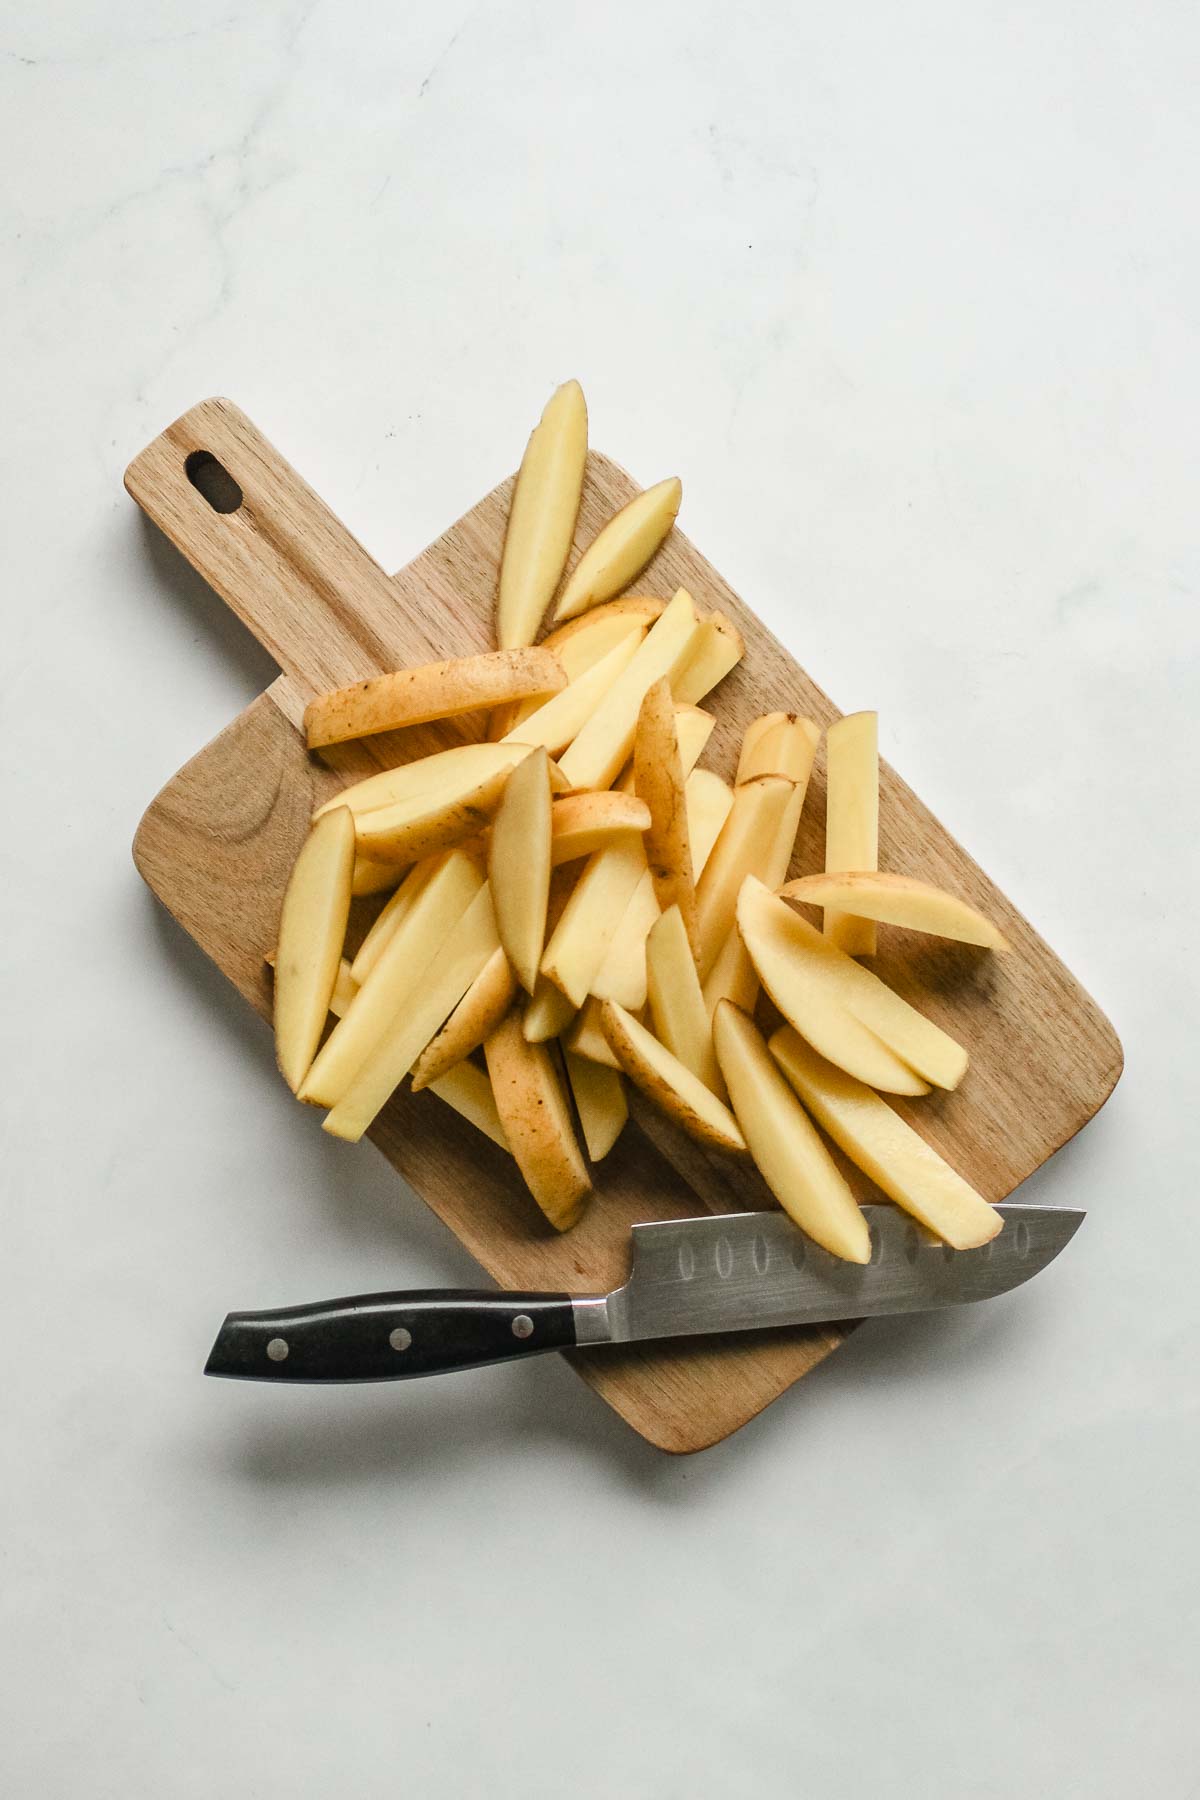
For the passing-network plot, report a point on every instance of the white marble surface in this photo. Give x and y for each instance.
(909, 297)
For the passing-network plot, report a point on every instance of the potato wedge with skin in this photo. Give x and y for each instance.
(880, 1143)
(468, 1090)
(454, 771)
(440, 690)
(621, 549)
(785, 1144)
(583, 823)
(598, 753)
(899, 900)
(852, 819)
(676, 1003)
(411, 887)
(580, 644)
(719, 647)
(844, 1011)
(622, 974)
(473, 1021)
(753, 735)
(747, 840)
(709, 801)
(659, 781)
(536, 1120)
(416, 828)
(600, 1102)
(585, 1036)
(389, 988)
(580, 940)
(560, 720)
(465, 950)
(312, 930)
(519, 866)
(786, 746)
(542, 515)
(665, 1081)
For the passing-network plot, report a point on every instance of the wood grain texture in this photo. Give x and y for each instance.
(217, 844)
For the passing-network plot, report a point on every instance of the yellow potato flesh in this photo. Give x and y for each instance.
(676, 1003)
(746, 841)
(667, 1082)
(473, 1020)
(600, 1102)
(899, 900)
(560, 720)
(852, 819)
(718, 649)
(312, 930)
(622, 974)
(536, 1119)
(468, 1090)
(621, 549)
(590, 919)
(541, 519)
(519, 865)
(596, 756)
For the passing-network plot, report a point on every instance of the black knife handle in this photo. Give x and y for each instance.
(390, 1337)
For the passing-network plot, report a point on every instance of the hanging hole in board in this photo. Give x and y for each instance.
(213, 480)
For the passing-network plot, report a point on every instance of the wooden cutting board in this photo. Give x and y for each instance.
(217, 844)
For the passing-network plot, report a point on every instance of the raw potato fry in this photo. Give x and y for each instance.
(693, 728)
(473, 1021)
(411, 888)
(731, 977)
(519, 866)
(784, 1142)
(718, 649)
(440, 987)
(879, 1142)
(597, 755)
(667, 1083)
(541, 519)
(622, 974)
(415, 828)
(454, 770)
(753, 735)
(583, 823)
(468, 1090)
(438, 690)
(537, 1122)
(746, 842)
(709, 800)
(591, 917)
(844, 1011)
(372, 877)
(586, 1036)
(394, 979)
(583, 642)
(600, 1102)
(659, 779)
(344, 990)
(312, 929)
(899, 900)
(562, 718)
(622, 549)
(676, 1003)
(548, 1014)
(852, 819)
(779, 744)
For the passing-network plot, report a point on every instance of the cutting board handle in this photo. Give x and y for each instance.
(270, 547)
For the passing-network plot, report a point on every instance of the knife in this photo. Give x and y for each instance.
(734, 1272)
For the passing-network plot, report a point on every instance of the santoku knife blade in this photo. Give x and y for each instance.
(736, 1272)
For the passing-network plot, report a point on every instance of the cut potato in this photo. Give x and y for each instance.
(548, 1014)
(746, 842)
(389, 989)
(344, 990)
(417, 827)
(667, 1082)
(659, 780)
(372, 877)
(312, 930)
(782, 744)
(441, 985)
(541, 518)
(585, 1037)
(468, 1090)
(844, 1011)
(879, 1142)
(561, 719)
(709, 800)
(583, 823)
(595, 627)
(600, 1102)
(473, 1021)
(455, 771)
(621, 549)
(412, 886)
(519, 865)
(622, 974)
(755, 731)
(852, 819)
(676, 1003)
(785, 1144)
(899, 900)
(536, 1119)
(597, 755)
(693, 728)
(590, 919)
(440, 690)
(718, 648)
(732, 977)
